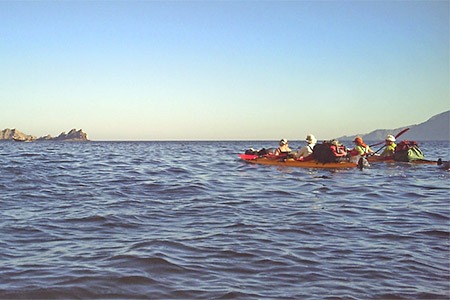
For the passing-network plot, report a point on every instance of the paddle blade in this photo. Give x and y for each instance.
(398, 134)
(401, 132)
(376, 144)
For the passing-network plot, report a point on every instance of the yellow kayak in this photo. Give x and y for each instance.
(294, 163)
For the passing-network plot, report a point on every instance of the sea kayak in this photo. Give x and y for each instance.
(277, 161)
(375, 159)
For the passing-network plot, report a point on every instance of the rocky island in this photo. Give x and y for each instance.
(15, 135)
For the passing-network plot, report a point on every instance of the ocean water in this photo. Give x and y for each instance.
(189, 220)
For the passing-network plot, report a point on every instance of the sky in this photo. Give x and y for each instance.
(221, 70)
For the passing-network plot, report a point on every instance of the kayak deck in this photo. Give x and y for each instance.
(373, 159)
(276, 161)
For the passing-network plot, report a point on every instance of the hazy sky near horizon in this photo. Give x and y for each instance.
(214, 70)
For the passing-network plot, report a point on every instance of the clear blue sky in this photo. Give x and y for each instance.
(213, 70)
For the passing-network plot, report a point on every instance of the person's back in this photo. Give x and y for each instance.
(308, 149)
(284, 147)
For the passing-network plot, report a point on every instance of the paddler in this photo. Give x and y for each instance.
(308, 149)
(284, 147)
(390, 146)
(360, 147)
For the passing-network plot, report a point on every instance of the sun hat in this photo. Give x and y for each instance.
(311, 139)
(283, 142)
(390, 138)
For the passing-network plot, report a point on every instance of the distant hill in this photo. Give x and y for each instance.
(436, 128)
(14, 134)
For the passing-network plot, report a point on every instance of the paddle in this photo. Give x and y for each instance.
(398, 134)
(378, 150)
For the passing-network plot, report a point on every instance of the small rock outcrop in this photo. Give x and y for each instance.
(71, 136)
(14, 134)
(45, 138)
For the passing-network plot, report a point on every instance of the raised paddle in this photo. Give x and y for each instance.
(398, 134)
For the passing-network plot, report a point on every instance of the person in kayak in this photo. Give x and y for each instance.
(390, 146)
(284, 147)
(308, 149)
(360, 148)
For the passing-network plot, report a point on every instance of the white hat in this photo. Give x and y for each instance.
(311, 139)
(390, 138)
(283, 142)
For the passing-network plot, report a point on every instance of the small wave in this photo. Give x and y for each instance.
(391, 236)
(237, 225)
(433, 233)
(88, 219)
(151, 263)
(162, 244)
(29, 154)
(27, 229)
(270, 263)
(235, 254)
(411, 195)
(177, 170)
(185, 189)
(134, 280)
(280, 193)
(120, 223)
(436, 215)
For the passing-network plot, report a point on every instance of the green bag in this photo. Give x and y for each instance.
(407, 151)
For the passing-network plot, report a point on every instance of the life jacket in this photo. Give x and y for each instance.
(329, 151)
(407, 151)
(358, 149)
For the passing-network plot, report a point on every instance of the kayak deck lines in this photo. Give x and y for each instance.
(375, 159)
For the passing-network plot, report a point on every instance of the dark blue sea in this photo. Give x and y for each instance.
(189, 220)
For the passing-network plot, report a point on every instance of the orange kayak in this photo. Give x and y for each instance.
(277, 161)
